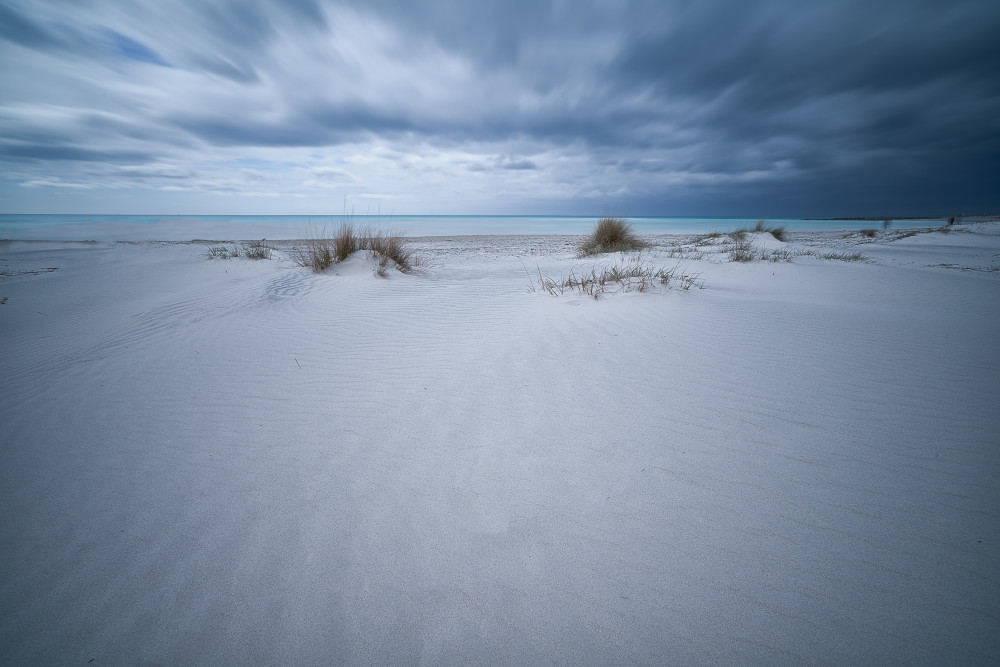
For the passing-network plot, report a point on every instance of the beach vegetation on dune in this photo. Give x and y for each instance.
(685, 252)
(221, 252)
(778, 232)
(628, 275)
(385, 248)
(705, 238)
(256, 250)
(251, 250)
(779, 255)
(611, 234)
(345, 242)
(743, 249)
(844, 256)
(315, 253)
(321, 252)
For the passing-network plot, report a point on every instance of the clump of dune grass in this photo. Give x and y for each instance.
(345, 242)
(316, 253)
(743, 249)
(777, 232)
(386, 247)
(611, 234)
(251, 250)
(221, 252)
(323, 251)
(256, 250)
(869, 233)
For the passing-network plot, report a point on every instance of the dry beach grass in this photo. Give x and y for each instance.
(322, 251)
(611, 234)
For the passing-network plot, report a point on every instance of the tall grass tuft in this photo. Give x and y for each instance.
(345, 242)
(612, 234)
(777, 232)
(322, 252)
(386, 247)
(316, 253)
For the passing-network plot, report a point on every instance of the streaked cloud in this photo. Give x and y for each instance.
(661, 107)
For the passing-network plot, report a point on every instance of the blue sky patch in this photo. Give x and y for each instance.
(133, 50)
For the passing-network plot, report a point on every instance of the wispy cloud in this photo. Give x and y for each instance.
(714, 107)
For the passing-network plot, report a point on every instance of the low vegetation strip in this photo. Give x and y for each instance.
(844, 256)
(251, 250)
(629, 275)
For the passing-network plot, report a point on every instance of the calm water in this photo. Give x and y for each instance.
(242, 227)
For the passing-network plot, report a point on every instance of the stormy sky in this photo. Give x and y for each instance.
(773, 107)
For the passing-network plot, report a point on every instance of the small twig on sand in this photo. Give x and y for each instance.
(297, 363)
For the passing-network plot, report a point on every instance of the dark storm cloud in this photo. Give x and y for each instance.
(42, 35)
(903, 74)
(725, 105)
(64, 152)
(223, 131)
(17, 28)
(314, 127)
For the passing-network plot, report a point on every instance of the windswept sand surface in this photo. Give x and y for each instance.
(238, 462)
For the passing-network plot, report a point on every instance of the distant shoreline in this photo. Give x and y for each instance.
(977, 217)
(146, 228)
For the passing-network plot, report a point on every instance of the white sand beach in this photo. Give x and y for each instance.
(226, 461)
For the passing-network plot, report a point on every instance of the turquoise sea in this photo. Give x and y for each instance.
(244, 227)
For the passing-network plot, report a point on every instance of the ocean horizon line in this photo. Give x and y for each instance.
(186, 227)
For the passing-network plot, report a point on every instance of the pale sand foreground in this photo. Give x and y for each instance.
(226, 461)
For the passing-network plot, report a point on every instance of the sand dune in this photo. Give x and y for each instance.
(228, 461)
